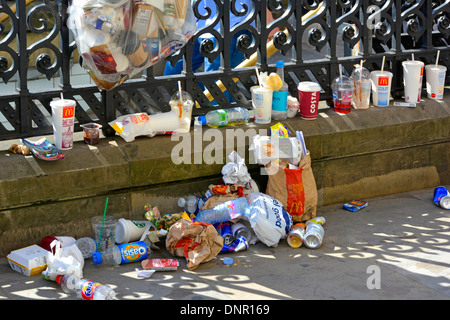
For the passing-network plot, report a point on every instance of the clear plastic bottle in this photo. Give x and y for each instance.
(87, 246)
(225, 117)
(191, 204)
(122, 253)
(224, 211)
(85, 289)
(313, 235)
(279, 98)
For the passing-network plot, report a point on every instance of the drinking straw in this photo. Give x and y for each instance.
(62, 97)
(382, 65)
(257, 77)
(360, 80)
(103, 223)
(412, 54)
(340, 72)
(181, 93)
(437, 58)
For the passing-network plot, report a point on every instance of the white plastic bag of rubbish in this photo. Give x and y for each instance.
(268, 218)
(68, 260)
(236, 170)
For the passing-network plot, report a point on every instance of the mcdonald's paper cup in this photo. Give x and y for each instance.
(308, 98)
(63, 113)
(381, 88)
(262, 104)
(412, 80)
(435, 75)
(130, 230)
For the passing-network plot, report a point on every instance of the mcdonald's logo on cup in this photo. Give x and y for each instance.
(68, 112)
(383, 81)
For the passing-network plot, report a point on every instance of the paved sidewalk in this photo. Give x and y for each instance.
(403, 239)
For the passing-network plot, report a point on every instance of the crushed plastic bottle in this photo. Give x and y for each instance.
(225, 117)
(296, 235)
(85, 289)
(225, 211)
(191, 204)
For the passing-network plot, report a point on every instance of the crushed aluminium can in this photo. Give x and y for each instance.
(442, 197)
(224, 230)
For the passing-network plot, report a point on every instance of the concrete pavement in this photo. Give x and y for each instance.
(396, 248)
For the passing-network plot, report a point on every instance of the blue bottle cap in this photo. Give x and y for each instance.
(202, 120)
(228, 261)
(280, 64)
(97, 257)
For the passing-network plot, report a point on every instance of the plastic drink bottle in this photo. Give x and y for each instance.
(224, 211)
(225, 117)
(313, 235)
(122, 253)
(191, 204)
(295, 236)
(85, 289)
(87, 246)
(279, 98)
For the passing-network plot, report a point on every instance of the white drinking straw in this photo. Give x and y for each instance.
(437, 58)
(382, 65)
(257, 77)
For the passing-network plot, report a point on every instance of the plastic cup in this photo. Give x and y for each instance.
(91, 133)
(262, 104)
(435, 81)
(381, 87)
(412, 80)
(342, 94)
(183, 109)
(362, 88)
(107, 241)
(130, 230)
(63, 112)
(308, 98)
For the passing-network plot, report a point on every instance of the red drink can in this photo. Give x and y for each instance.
(308, 97)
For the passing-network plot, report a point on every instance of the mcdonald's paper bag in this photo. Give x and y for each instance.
(295, 188)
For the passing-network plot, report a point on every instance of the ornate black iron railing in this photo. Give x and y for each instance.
(312, 37)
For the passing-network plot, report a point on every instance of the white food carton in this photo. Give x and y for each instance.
(28, 261)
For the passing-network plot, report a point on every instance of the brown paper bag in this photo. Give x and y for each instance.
(196, 241)
(295, 188)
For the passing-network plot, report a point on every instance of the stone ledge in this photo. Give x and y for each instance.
(363, 154)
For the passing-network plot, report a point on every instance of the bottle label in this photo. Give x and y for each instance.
(279, 100)
(88, 289)
(133, 252)
(222, 117)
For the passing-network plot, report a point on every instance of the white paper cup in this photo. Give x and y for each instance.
(412, 80)
(308, 98)
(164, 122)
(130, 230)
(63, 113)
(381, 87)
(435, 75)
(262, 104)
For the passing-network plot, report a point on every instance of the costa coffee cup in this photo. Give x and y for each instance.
(308, 96)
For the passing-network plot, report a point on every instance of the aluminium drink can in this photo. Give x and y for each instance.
(442, 197)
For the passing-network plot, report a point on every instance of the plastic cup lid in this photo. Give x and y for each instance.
(308, 86)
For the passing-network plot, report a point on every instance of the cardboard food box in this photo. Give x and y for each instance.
(160, 264)
(29, 261)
